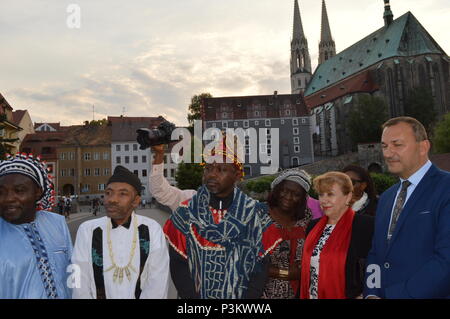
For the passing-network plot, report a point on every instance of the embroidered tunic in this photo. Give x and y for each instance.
(154, 279)
(223, 249)
(34, 258)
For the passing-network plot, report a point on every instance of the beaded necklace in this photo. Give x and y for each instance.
(119, 271)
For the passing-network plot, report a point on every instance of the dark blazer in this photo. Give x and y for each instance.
(360, 242)
(415, 263)
(370, 209)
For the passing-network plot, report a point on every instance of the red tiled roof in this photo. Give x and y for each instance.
(124, 127)
(87, 135)
(361, 82)
(5, 103)
(17, 116)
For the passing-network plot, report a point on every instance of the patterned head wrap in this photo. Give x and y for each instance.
(34, 168)
(297, 176)
(225, 150)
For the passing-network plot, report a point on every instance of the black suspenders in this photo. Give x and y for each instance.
(97, 259)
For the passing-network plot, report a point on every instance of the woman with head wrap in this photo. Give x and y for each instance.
(35, 245)
(291, 210)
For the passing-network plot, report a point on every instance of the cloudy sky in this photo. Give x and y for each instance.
(148, 57)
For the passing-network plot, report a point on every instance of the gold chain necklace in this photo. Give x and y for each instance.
(119, 271)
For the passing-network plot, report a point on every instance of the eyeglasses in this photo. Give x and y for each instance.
(355, 181)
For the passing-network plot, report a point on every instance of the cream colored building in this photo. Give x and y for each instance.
(84, 161)
(8, 130)
(22, 119)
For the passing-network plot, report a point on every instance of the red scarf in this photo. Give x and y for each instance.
(332, 258)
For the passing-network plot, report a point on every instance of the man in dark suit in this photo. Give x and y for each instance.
(410, 255)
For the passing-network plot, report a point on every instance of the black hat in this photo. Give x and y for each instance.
(123, 175)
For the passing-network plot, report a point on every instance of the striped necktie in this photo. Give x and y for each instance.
(398, 207)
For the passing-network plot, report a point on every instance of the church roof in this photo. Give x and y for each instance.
(404, 37)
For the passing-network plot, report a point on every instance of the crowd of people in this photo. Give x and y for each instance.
(219, 243)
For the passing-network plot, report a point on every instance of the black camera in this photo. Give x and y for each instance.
(150, 137)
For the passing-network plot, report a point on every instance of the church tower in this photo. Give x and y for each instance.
(327, 47)
(300, 59)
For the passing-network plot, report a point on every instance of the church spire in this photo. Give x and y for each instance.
(300, 59)
(325, 32)
(327, 47)
(388, 15)
(298, 27)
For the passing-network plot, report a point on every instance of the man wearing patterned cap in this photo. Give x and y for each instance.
(35, 245)
(123, 255)
(217, 235)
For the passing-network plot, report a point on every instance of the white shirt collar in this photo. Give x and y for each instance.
(360, 202)
(419, 174)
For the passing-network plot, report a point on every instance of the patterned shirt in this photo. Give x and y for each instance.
(315, 261)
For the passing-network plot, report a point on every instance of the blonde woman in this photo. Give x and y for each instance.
(337, 244)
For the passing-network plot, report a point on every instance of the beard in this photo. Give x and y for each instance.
(115, 212)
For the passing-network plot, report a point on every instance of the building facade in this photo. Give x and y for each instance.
(45, 144)
(84, 161)
(125, 150)
(287, 113)
(9, 131)
(23, 119)
(390, 64)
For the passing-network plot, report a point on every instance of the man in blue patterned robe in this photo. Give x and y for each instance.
(35, 245)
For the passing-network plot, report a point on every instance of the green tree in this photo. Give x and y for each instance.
(441, 136)
(366, 118)
(383, 181)
(420, 105)
(189, 175)
(96, 122)
(195, 108)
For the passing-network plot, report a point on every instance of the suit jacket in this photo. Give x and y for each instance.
(360, 242)
(415, 263)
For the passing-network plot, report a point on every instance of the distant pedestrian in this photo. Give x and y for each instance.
(67, 207)
(60, 206)
(95, 206)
